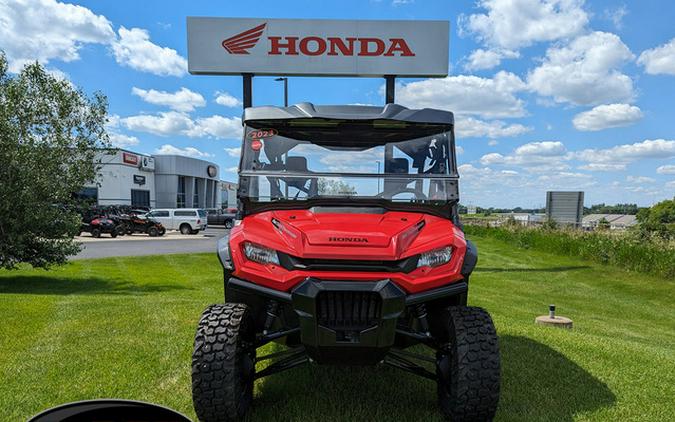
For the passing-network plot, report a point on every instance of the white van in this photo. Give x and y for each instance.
(187, 220)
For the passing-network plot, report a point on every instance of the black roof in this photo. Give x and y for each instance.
(349, 112)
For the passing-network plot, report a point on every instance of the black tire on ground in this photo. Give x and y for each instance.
(113, 234)
(162, 231)
(194, 231)
(153, 232)
(223, 363)
(95, 232)
(185, 228)
(468, 386)
(229, 224)
(121, 230)
(130, 232)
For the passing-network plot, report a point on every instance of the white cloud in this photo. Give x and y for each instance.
(535, 157)
(640, 179)
(607, 116)
(493, 142)
(401, 2)
(627, 153)
(659, 60)
(181, 100)
(468, 127)
(603, 167)
(135, 50)
(545, 149)
(670, 185)
(217, 127)
(616, 15)
(512, 24)
(585, 71)
(162, 124)
(667, 169)
(173, 123)
(486, 97)
(459, 150)
(227, 100)
(193, 152)
(233, 152)
(45, 30)
(487, 59)
(123, 141)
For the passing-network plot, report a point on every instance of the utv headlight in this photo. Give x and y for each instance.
(260, 254)
(435, 258)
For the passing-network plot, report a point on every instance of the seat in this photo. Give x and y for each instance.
(299, 165)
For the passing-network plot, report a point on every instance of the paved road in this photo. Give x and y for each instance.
(137, 245)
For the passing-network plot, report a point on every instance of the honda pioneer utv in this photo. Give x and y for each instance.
(348, 250)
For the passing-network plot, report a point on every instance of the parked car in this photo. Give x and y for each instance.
(222, 217)
(99, 225)
(187, 220)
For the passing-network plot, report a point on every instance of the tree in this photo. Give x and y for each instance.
(659, 219)
(330, 187)
(49, 135)
(603, 224)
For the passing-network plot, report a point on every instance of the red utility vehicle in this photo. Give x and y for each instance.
(348, 250)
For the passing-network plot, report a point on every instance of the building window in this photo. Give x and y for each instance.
(87, 196)
(140, 198)
(180, 197)
(195, 196)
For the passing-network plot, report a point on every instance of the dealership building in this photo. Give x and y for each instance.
(156, 181)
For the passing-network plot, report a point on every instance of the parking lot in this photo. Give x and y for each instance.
(142, 244)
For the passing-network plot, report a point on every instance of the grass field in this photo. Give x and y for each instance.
(123, 328)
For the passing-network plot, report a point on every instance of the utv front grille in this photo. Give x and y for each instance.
(347, 311)
(291, 263)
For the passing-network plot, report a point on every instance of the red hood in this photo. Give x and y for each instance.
(386, 236)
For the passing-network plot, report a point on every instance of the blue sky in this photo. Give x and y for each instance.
(548, 94)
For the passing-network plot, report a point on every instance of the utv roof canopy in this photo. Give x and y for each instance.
(390, 112)
(349, 126)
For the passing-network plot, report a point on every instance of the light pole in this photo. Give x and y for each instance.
(285, 89)
(378, 175)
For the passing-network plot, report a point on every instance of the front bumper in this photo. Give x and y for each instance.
(342, 322)
(348, 322)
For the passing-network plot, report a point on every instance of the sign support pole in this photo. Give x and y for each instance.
(248, 89)
(390, 88)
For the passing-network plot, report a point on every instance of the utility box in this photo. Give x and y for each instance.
(565, 207)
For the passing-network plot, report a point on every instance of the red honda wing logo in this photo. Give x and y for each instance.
(242, 42)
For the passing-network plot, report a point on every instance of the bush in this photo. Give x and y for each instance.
(628, 250)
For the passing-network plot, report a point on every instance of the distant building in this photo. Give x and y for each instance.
(471, 209)
(616, 221)
(154, 181)
(565, 207)
(228, 194)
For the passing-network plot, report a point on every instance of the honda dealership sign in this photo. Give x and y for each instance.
(227, 46)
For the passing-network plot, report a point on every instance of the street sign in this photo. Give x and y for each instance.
(233, 46)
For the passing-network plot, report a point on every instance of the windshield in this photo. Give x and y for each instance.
(413, 163)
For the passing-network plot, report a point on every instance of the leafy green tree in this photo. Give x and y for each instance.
(331, 187)
(49, 134)
(659, 219)
(603, 224)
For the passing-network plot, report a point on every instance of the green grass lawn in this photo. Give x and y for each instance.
(123, 328)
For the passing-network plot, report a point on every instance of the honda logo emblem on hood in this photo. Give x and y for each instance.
(348, 239)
